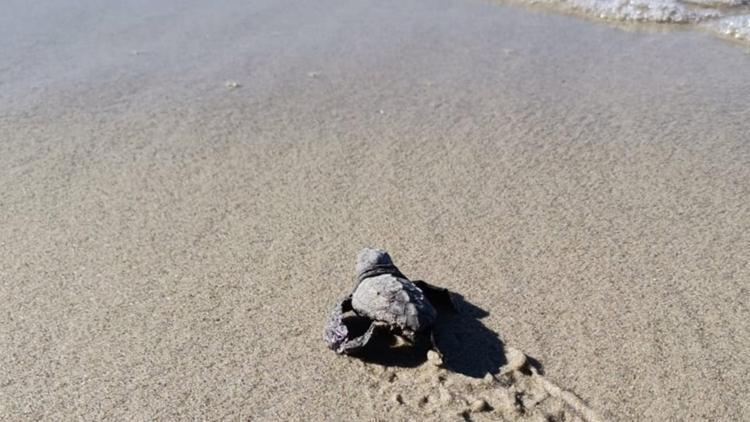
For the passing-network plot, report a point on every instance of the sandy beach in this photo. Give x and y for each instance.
(185, 187)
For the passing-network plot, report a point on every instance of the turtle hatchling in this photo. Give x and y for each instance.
(384, 299)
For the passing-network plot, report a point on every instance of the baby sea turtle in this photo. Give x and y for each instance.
(384, 298)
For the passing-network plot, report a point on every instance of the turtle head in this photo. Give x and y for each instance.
(372, 262)
(369, 258)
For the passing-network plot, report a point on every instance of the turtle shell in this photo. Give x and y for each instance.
(395, 301)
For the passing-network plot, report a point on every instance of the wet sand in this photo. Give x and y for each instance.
(170, 246)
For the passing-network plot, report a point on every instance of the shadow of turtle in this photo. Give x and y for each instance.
(467, 345)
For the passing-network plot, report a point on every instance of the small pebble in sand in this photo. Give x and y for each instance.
(313, 75)
(397, 399)
(434, 358)
(479, 405)
(516, 359)
(488, 379)
(231, 85)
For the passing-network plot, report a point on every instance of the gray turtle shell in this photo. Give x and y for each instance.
(395, 301)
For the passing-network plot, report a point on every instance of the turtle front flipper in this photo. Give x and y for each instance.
(346, 332)
(442, 300)
(439, 297)
(354, 344)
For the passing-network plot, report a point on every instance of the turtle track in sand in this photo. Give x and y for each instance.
(517, 392)
(478, 378)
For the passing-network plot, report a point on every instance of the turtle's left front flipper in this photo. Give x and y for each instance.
(346, 332)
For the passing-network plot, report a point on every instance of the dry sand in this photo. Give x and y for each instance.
(170, 247)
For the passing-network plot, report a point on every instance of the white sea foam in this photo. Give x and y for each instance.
(736, 27)
(635, 10)
(727, 18)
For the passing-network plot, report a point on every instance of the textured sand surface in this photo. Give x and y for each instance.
(170, 247)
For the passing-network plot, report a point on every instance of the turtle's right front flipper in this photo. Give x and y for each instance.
(439, 297)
